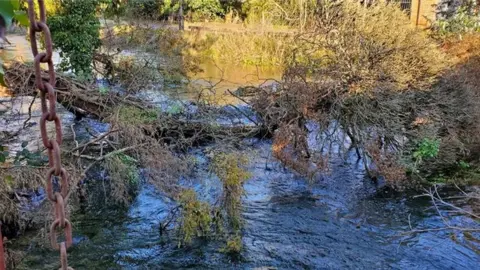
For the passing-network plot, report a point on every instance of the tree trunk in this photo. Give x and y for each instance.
(181, 23)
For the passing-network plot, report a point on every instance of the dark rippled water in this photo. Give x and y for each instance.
(340, 222)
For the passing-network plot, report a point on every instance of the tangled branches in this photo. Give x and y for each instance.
(449, 207)
(361, 73)
(138, 130)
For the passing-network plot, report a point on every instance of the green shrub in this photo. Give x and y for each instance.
(233, 246)
(143, 9)
(204, 9)
(75, 33)
(230, 168)
(195, 217)
(124, 177)
(427, 148)
(136, 116)
(460, 23)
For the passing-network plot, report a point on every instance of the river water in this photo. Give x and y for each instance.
(340, 221)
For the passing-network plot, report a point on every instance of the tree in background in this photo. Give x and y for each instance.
(146, 9)
(259, 11)
(113, 8)
(284, 12)
(195, 9)
(181, 23)
(75, 32)
(169, 8)
(233, 10)
(205, 9)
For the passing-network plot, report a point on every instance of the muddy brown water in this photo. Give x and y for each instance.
(340, 221)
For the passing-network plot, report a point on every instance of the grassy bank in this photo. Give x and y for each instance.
(246, 48)
(245, 45)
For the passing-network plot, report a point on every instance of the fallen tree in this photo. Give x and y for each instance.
(86, 100)
(140, 133)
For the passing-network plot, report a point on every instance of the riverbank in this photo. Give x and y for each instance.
(287, 218)
(332, 166)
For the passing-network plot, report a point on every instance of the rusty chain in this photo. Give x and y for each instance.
(49, 114)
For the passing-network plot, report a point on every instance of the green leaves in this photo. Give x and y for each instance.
(9, 181)
(75, 32)
(35, 158)
(205, 9)
(22, 18)
(2, 75)
(464, 165)
(3, 154)
(10, 9)
(15, 4)
(7, 10)
(462, 21)
(103, 89)
(175, 108)
(427, 148)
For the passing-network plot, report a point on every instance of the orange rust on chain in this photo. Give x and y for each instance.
(63, 184)
(67, 230)
(43, 129)
(56, 157)
(60, 209)
(52, 97)
(49, 114)
(63, 257)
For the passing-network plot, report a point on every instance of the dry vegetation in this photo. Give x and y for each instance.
(246, 48)
(14, 192)
(230, 168)
(374, 83)
(158, 50)
(370, 82)
(141, 137)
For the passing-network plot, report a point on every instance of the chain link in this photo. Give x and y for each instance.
(49, 114)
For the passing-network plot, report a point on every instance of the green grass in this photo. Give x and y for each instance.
(248, 48)
(136, 116)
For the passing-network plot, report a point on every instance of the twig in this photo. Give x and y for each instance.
(98, 159)
(74, 135)
(244, 114)
(116, 152)
(94, 140)
(237, 96)
(453, 228)
(171, 215)
(30, 111)
(438, 200)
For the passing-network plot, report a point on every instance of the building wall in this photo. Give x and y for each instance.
(422, 12)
